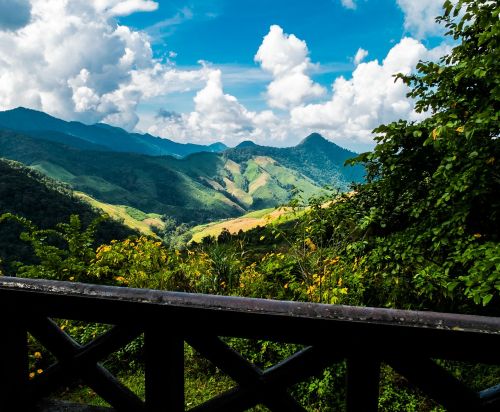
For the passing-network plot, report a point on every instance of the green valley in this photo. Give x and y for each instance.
(199, 188)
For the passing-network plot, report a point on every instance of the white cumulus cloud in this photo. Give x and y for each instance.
(73, 60)
(218, 116)
(124, 7)
(360, 56)
(420, 16)
(368, 99)
(286, 58)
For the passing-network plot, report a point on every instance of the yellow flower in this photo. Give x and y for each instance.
(310, 244)
(477, 235)
(38, 355)
(39, 371)
(121, 279)
(335, 260)
(32, 375)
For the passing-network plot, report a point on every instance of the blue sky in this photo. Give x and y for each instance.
(219, 70)
(229, 33)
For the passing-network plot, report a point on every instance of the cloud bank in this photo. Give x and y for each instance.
(74, 61)
(124, 7)
(419, 15)
(348, 115)
(369, 98)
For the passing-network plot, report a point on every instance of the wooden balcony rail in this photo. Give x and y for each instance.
(408, 341)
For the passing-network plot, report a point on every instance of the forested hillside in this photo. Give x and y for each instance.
(31, 195)
(315, 157)
(198, 188)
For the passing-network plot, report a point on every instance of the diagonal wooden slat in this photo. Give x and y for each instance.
(246, 374)
(437, 383)
(62, 346)
(241, 399)
(268, 387)
(67, 369)
(305, 363)
(238, 399)
(225, 358)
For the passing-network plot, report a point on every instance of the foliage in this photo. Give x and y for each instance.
(45, 202)
(428, 218)
(63, 253)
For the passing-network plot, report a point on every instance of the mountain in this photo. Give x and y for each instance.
(198, 188)
(121, 169)
(245, 144)
(95, 137)
(315, 157)
(32, 195)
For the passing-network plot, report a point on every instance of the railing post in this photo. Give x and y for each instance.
(363, 376)
(164, 371)
(13, 365)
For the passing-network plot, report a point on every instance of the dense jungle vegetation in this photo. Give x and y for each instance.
(422, 233)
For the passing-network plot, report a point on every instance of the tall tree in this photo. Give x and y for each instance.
(431, 205)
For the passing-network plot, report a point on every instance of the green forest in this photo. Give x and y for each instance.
(422, 232)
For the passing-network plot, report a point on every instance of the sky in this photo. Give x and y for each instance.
(203, 71)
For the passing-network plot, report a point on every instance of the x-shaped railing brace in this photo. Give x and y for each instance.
(268, 387)
(255, 386)
(81, 361)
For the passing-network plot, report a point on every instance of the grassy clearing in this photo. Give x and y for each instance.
(133, 218)
(246, 222)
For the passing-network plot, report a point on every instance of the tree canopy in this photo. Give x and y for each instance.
(431, 203)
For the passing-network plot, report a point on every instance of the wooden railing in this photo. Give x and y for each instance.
(408, 341)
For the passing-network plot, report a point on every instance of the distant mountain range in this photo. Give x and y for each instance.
(115, 167)
(315, 157)
(100, 136)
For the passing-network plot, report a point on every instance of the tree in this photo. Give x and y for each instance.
(428, 217)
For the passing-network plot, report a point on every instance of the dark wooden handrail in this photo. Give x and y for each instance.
(406, 340)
